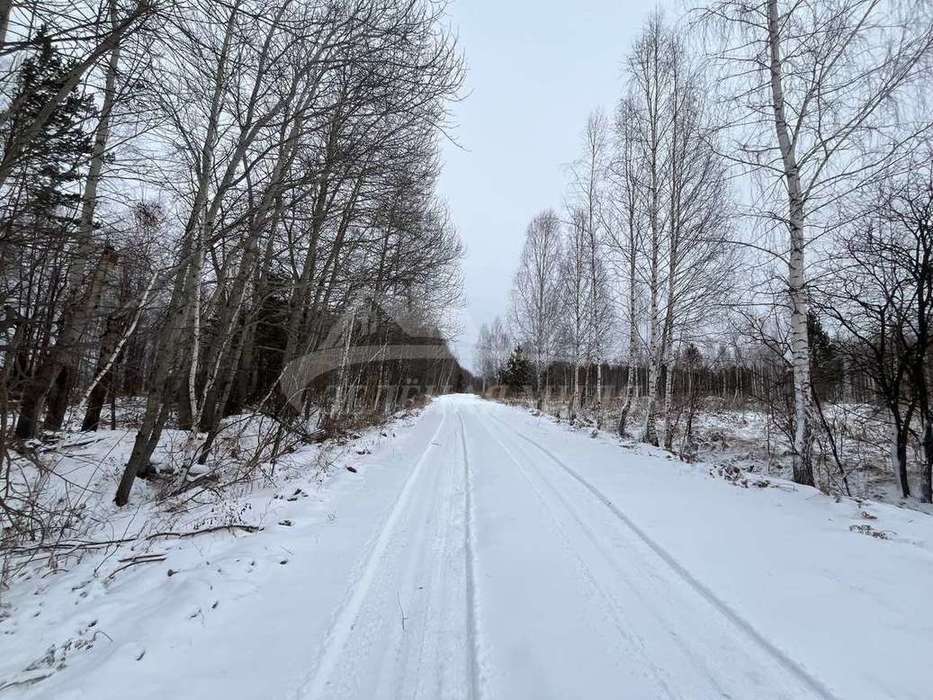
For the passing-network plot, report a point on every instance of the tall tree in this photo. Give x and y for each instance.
(536, 308)
(811, 84)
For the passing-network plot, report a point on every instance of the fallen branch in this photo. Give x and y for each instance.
(80, 545)
(133, 561)
(192, 533)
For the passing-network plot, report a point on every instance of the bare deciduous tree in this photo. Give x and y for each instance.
(813, 85)
(536, 307)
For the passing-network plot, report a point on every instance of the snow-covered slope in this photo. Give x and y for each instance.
(488, 553)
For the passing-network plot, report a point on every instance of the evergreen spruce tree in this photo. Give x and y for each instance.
(50, 164)
(518, 374)
(46, 192)
(825, 364)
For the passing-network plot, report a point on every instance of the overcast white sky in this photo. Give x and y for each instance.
(536, 70)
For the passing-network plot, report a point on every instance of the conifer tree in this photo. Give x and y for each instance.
(518, 373)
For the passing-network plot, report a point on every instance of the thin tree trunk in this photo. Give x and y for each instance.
(899, 437)
(650, 433)
(803, 438)
(669, 402)
(926, 468)
(115, 327)
(797, 279)
(164, 379)
(631, 386)
(6, 9)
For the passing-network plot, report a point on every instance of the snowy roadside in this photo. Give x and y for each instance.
(747, 439)
(144, 581)
(839, 584)
(856, 463)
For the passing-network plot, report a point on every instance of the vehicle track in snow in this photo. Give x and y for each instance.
(427, 616)
(474, 680)
(812, 684)
(614, 610)
(371, 577)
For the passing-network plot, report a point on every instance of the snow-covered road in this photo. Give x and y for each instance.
(489, 553)
(503, 571)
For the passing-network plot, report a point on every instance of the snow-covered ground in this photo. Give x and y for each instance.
(747, 439)
(480, 551)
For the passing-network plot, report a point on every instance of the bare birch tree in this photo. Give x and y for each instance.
(812, 85)
(536, 310)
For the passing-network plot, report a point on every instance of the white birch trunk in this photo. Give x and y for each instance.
(797, 280)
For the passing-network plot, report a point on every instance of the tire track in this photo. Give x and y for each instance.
(699, 663)
(315, 686)
(613, 608)
(415, 649)
(705, 592)
(474, 686)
